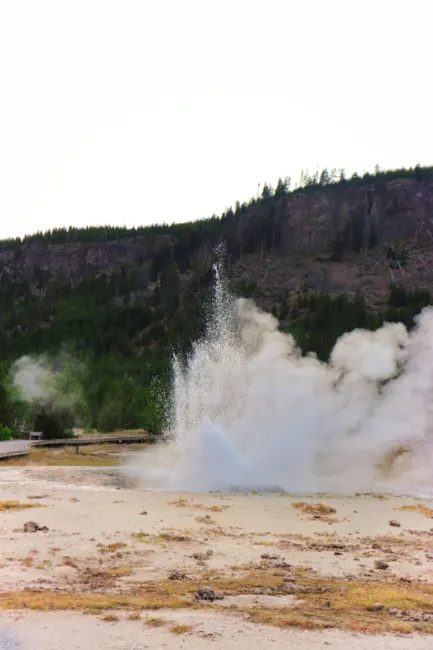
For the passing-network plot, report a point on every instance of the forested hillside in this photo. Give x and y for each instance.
(331, 255)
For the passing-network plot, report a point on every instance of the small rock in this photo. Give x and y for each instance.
(338, 553)
(33, 527)
(202, 556)
(394, 523)
(375, 546)
(206, 593)
(376, 607)
(267, 556)
(380, 564)
(429, 555)
(281, 565)
(177, 575)
(143, 513)
(394, 611)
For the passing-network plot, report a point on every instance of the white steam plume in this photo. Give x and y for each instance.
(33, 380)
(249, 410)
(48, 382)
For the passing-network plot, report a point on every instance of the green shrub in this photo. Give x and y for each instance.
(5, 433)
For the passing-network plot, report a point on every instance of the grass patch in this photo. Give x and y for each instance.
(348, 608)
(144, 538)
(18, 505)
(181, 628)
(207, 519)
(155, 622)
(245, 584)
(110, 618)
(181, 502)
(348, 600)
(119, 572)
(317, 511)
(162, 538)
(323, 601)
(314, 509)
(172, 537)
(111, 548)
(217, 508)
(45, 564)
(184, 503)
(214, 531)
(64, 600)
(418, 507)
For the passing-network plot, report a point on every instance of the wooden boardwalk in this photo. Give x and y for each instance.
(12, 448)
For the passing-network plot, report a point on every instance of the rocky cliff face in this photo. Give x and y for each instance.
(71, 261)
(386, 212)
(332, 239)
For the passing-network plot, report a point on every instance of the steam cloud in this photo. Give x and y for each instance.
(48, 383)
(248, 410)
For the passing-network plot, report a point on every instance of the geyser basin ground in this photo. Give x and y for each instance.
(110, 551)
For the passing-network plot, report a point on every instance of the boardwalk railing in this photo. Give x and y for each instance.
(79, 442)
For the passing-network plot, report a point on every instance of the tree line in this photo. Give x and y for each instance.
(195, 233)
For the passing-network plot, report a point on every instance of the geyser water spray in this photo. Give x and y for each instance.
(248, 410)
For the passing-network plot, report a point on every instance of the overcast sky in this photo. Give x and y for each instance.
(136, 112)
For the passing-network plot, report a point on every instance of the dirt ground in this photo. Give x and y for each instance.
(109, 566)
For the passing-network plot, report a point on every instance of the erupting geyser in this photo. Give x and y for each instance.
(248, 410)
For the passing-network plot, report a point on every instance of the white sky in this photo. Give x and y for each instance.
(136, 112)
